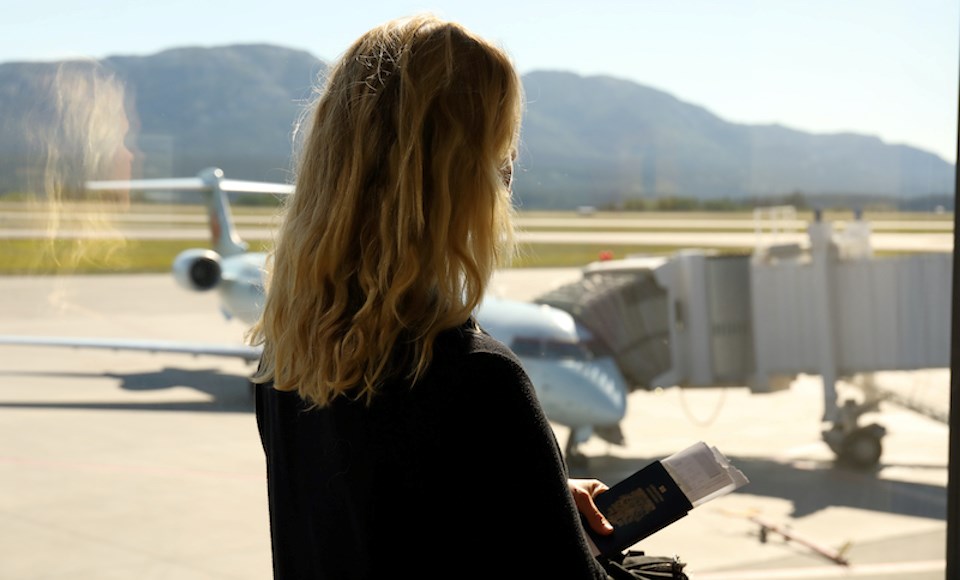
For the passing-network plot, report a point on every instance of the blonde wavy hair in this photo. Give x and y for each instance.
(401, 213)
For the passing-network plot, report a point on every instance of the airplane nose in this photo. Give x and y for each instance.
(610, 394)
(586, 393)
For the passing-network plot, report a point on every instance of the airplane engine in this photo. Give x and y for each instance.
(197, 269)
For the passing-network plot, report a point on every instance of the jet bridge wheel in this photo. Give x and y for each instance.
(862, 447)
(856, 446)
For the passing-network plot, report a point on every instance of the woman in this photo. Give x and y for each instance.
(398, 435)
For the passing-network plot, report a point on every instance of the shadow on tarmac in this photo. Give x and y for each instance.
(228, 393)
(809, 486)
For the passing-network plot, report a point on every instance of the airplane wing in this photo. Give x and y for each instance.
(247, 353)
(200, 184)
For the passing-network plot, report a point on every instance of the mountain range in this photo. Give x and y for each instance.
(586, 140)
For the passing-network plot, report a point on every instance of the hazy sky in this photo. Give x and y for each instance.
(888, 68)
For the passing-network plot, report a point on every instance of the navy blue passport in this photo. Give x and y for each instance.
(640, 505)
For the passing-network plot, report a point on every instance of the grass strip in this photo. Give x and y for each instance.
(66, 257)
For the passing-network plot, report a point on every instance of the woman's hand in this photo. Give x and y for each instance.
(583, 492)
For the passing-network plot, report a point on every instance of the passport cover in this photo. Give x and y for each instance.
(644, 503)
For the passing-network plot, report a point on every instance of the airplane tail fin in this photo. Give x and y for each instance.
(223, 233)
(224, 237)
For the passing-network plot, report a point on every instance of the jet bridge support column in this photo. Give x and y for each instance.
(860, 446)
(823, 259)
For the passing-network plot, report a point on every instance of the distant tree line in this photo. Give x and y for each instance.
(798, 199)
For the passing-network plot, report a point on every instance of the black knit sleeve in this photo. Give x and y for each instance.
(511, 478)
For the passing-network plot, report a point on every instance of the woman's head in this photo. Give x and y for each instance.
(401, 211)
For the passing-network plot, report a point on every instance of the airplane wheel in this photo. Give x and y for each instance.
(862, 447)
(577, 461)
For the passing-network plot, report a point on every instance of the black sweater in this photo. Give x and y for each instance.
(458, 476)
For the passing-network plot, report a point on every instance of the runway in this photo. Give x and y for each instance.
(133, 465)
(910, 233)
(907, 242)
(18, 215)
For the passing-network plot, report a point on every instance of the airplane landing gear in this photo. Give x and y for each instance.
(575, 458)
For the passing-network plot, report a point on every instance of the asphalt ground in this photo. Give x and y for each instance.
(135, 465)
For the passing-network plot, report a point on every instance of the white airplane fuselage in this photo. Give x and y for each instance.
(576, 387)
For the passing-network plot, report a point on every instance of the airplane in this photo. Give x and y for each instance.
(578, 385)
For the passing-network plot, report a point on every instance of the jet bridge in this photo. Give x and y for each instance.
(701, 319)
(627, 312)
(683, 321)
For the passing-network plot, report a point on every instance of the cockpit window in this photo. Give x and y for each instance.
(526, 346)
(568, 350)
(554, 349)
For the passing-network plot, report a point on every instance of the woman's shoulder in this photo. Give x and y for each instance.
(471, 343)
(469, 360)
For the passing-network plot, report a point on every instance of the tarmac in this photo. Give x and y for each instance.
(137, 465)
